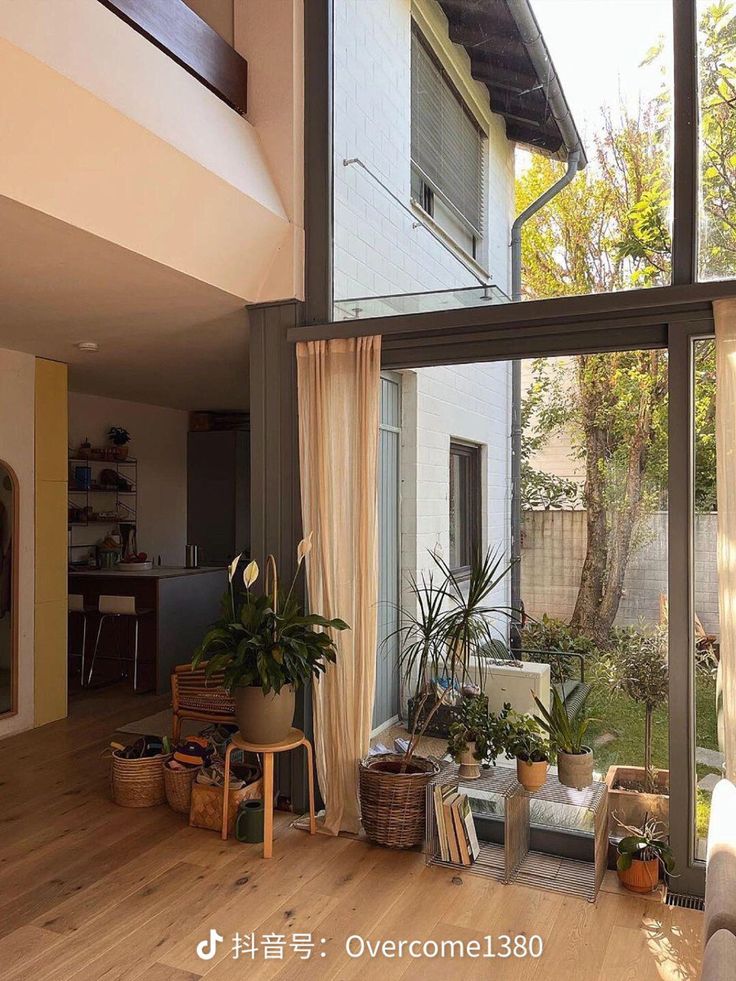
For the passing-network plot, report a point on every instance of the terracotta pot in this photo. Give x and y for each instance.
(632, 807)
(641, 876)
(575, 769)
(469, 766)
(264, 719)
(531, 776)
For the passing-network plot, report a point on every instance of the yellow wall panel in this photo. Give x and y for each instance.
(52, 428)
(51, 441)
(50, 691)
(51, 540)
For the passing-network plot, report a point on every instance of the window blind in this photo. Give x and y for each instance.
(446, 143)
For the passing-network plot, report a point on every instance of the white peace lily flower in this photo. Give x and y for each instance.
(304, 547)
(250, 573)
(234, 566)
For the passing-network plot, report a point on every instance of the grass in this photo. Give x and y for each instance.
(620, 716)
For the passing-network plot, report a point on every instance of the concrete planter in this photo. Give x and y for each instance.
(575, 769)
(631, 807)
(531, 776)
(264, 719)
(469, 766)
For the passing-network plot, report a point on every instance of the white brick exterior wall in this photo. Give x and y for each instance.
(380, 248)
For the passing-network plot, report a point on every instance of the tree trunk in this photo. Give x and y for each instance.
(610, 533)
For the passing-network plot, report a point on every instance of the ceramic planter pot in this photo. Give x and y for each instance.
(264, 719)
(575, 769)
(531, 776)
(642, 876)
(469, 766)
(632, 807)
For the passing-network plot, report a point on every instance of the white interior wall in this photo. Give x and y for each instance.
(159, 443)
(17, 410)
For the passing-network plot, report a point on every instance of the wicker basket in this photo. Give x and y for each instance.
(206, 806)
(178, 786)
(392, 803)
(138, 783)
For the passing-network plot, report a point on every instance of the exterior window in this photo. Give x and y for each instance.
(447, 151)
(465, 500)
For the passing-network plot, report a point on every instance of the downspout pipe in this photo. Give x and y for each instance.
(573, 165)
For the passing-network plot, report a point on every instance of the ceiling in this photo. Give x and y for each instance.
(164, 338)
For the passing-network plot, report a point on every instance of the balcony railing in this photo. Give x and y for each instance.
(174, 28)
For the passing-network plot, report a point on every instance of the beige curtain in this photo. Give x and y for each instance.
(725, 318)
(339, 393)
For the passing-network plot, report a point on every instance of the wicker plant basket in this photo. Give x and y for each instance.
(178, 786)
(206, 806)
(138, 783)
(393, 803)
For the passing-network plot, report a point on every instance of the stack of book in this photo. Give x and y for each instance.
(455, 826)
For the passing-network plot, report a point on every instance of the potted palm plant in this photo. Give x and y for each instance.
(266, 647)
(642, 853)
(477, 736)
(526, 742)
(567, 735)
(443, 634)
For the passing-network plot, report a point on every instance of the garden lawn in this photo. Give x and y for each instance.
(619, 716)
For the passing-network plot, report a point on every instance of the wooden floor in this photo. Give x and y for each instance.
(89, 890)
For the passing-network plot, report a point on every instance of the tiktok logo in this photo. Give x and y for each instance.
(206, 949)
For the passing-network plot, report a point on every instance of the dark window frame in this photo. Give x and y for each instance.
(472, 501)
(659, 316)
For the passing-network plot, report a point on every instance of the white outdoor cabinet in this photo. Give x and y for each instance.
(515, 682)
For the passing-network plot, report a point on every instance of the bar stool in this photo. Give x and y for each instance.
(77, 607)
(115, 607)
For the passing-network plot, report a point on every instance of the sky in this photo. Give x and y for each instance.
(597, 47)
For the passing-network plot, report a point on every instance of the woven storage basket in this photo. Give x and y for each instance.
(392, 804)
(206, 807)
(178, 786)
(138, 783)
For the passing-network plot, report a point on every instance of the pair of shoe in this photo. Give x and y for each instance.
(142, 748)
(241, 774)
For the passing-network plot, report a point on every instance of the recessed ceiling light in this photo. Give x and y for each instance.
(89, 347)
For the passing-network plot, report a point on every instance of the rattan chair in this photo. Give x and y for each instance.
(195, 696)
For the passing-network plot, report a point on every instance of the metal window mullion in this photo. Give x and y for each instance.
(686, 149)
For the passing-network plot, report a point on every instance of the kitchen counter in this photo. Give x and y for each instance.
(157, 572)
(181, 605)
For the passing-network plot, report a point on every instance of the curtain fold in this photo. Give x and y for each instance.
(339, 404)
(725, 321)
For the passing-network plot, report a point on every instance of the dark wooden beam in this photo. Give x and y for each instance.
(174, 28)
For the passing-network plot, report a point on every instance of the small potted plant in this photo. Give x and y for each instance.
(525, 741)
(476, 736)
(638, 668)
(267, 647)
(642, 853)
(119, 438)
(567, 735)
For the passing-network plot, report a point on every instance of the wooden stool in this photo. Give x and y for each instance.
(295, 739)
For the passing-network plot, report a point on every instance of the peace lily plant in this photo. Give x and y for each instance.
(264, 647)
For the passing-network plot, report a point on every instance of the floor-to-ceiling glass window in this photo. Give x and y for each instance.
(450, 120)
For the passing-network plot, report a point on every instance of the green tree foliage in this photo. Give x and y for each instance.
(609, 230)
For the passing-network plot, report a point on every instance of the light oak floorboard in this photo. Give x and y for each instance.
(90, 891)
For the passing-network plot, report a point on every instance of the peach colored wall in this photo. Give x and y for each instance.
(270, 36)
(151, 159)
